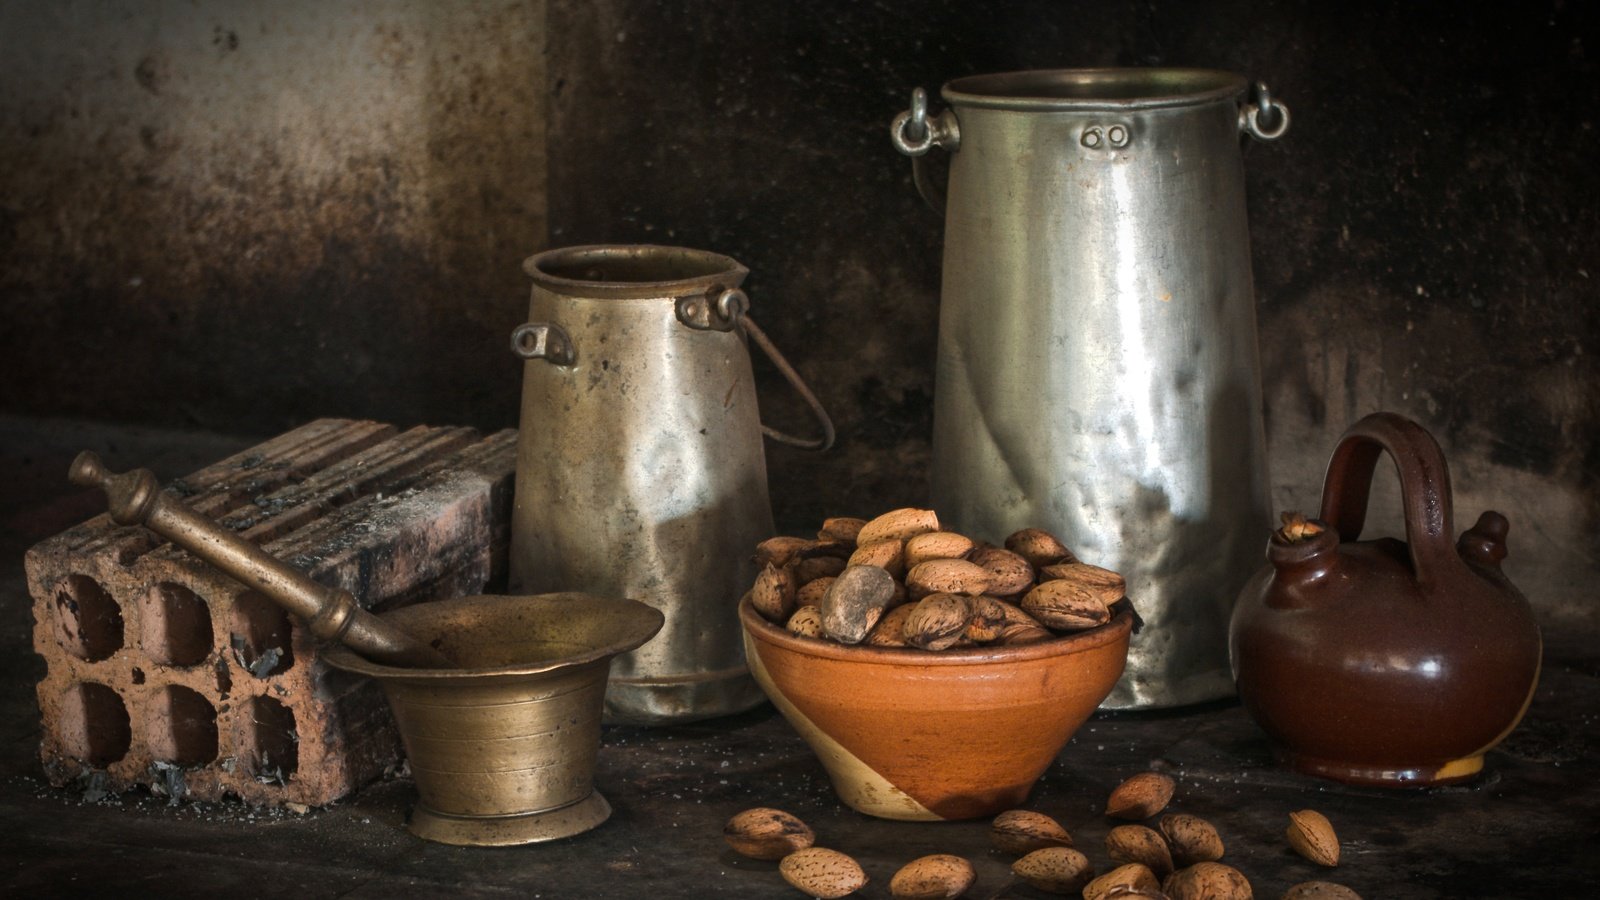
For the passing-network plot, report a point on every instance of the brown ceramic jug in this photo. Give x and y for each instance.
(1385, 662)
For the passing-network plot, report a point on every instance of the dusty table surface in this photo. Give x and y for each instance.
(1525, 829)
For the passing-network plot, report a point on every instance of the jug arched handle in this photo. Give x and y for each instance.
(1424, 489)
(914, 133)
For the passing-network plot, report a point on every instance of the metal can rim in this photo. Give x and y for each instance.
(632, 270)
(1067, 90)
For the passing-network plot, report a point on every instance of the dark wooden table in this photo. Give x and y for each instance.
(1527, 828)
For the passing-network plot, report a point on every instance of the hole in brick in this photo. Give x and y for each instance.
(94, 724)
(183, 728)
(260, 635)
(137, 675)
(88, 620)
(273, 744)
(177, 626)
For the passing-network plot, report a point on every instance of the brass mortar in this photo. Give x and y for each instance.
(497, 698)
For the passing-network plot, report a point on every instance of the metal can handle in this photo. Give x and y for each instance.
(1264, 118)
(543, 340)
(914, 133)
(755, 333)
(728, 309)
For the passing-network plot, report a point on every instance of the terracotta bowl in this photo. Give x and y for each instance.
(909, 734)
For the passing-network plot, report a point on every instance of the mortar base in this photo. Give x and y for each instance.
(509, 831)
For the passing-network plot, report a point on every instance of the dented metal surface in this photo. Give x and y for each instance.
(1097, 369)
(640, 467)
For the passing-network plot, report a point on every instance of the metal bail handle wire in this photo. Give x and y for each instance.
(727, 309)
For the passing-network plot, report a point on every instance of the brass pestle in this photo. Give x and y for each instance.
(332, 614)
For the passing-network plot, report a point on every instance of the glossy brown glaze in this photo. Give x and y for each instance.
(957, 734)
(1386, 662)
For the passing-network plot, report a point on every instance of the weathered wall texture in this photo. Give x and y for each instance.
(245, 216)
(1424, 238)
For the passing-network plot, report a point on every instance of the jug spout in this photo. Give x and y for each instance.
(1304, 554)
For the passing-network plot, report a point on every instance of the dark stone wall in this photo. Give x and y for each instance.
(239, 216)
(210, 216)
(1424, 238)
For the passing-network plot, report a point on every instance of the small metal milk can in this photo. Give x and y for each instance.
(640, 466)
(1097, 368)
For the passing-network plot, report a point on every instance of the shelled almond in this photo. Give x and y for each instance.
(1032, 590)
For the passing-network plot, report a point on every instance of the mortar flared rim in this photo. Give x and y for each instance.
(630, 624)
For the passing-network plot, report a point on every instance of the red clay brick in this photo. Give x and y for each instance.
(163, 672)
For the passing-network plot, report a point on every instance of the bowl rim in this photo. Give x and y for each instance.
(1119, 628)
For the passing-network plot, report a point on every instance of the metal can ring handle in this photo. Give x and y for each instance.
(543, 340)
(1265, 119)
(914, 133)
(728, 309)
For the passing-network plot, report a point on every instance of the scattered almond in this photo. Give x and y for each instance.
(1208, 881)
(1054, 870)
(1138, 844)
(1131, 875)
(1320, 890)
(898, 524)
(1141, 796)
(765, 833)
(1022, 831)
(821, 872)
(941, 876)
(1129, 892)
(1312, 836)
(1191, 838)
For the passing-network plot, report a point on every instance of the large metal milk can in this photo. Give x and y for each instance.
(640, 466)
(1097, 368)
